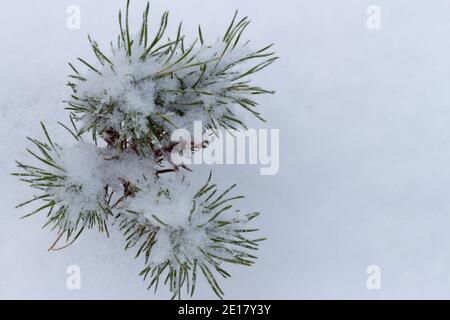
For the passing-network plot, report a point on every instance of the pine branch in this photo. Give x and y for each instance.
(133, 98)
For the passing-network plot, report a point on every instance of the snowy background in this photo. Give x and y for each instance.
(365, 148)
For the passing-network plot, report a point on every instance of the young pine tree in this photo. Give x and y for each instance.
(123, 110)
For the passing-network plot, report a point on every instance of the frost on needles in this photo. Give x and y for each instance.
(128, 103)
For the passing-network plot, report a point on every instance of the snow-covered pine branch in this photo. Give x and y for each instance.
(145, 88)
(133, 99)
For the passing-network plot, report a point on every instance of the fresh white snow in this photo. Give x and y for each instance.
(364, 149)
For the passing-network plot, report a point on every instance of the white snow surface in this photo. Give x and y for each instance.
(365, 148)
